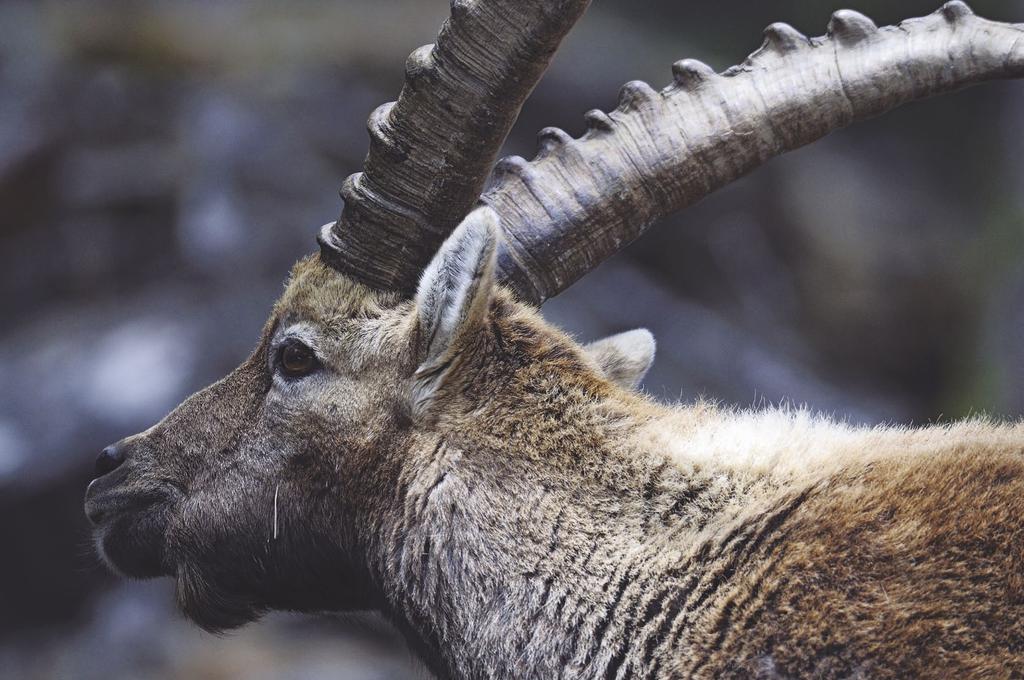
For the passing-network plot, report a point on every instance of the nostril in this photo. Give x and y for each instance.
(109, 459)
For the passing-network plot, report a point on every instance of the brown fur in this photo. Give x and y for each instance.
(540, 521)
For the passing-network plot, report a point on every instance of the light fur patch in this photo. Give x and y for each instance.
(787, 443)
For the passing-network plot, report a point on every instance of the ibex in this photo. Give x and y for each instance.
(411, 436)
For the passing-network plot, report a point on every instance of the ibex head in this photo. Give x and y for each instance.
(270, 489)
(251, 492)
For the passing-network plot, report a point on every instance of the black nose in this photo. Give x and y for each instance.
(109, 459)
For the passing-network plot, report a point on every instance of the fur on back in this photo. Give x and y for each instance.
(787, 444)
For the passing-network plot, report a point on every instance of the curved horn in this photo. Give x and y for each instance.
(581, 200)
(432, 150)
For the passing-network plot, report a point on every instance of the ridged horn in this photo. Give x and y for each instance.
(584, 199)
(432, 150)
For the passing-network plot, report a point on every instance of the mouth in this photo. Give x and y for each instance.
(129, 526)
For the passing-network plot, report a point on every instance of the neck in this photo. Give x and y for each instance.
(511, 554)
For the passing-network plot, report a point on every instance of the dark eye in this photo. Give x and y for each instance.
(297, 359)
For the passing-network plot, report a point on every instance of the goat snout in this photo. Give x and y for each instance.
(109, 459)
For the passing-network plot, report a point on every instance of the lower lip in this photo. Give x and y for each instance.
(104, 510)
(106, 482)
(96, 515)
(102, 500)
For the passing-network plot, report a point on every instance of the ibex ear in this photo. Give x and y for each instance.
(452, 299)
(624, 358)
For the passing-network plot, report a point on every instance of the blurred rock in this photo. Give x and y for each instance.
(144, 637)
(702, 354)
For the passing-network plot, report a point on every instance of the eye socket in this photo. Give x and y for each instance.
(297, 359)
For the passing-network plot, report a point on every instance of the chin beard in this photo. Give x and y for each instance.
(211, 606)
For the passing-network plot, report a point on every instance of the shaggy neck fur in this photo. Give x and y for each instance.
(528, 564)
(513, 549)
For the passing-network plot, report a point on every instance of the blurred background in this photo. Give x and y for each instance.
(162, 164)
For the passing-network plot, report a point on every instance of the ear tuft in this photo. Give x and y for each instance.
(452, 299)
(624, 358)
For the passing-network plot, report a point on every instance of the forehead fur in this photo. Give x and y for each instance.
(316, 292)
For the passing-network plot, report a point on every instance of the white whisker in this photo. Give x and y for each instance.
(276, 488)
